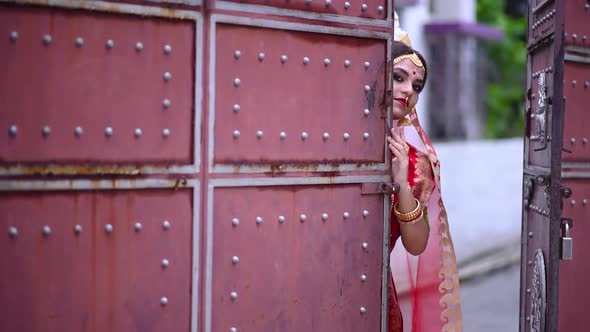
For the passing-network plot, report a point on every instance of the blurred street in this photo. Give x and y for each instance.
(490, 303)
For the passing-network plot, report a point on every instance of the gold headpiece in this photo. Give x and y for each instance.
(403, 37)
(412, 57)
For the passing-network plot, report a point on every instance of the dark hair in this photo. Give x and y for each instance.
(399, 49)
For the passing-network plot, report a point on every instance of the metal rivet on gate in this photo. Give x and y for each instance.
(164, 300)
(137, 132)
(367, 88)
(259, 134)
(530, 262)
(326, 136)
(237, 82)
(166, 103)
(307, 2)
(573, 140)
(12, 232)
(46, 131)
(47, 39)
(584, 38)
(364, 7)
(78, 229)
(235, 222)
(284, 58)
(13, 130)
(365, 213)
(530, 234)
(327, 62)
(167, 49)
(236, 108)
(236, 134)
(79, 41)
(235, 259)
(283, 135)
(305, 60)
(237, 54)
(346, 136)
(233, 295)
(366, 136)
(167, 76)
(328, 3)
(165, 263)
(302, 218)
(575, 36)
(363, 310)
(528, 290)
(259, 220)
(233, 329)
(574, 82)
(324, 216)
(587, 6)
(110, 44)
(380, 9)
(584, 202)
(346, 215)
(367, 64)
(165, 132)
(137, 226)
(138, 47)
(282, 219)
(346, 5)
(364, 277)
(78, 131)
(260, 56)
(346, 63)
(14, 36)
(46, 230)
(304, 136)
(108, 131)
(573, 202)
(365, 245)
(166, 224)
(584, 141)
(108, 228)
(586, 84)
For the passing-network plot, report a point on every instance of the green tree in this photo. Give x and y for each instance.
(505, 91)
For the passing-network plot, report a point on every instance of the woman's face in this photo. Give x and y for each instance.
(408, 82)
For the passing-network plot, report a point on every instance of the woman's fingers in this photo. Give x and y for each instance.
(397, 145)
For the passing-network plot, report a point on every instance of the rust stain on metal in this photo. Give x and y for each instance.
(110, 8)
(77, 169)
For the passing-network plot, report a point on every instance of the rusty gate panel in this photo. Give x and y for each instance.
(295, 259)
(573, 290)
(81, 86)
(286, 97)
(372, 9)
(577, 96)
(96, 261)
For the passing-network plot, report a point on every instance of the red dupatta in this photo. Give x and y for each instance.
(434, 280)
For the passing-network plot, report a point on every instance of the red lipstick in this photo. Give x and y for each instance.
(402, 101)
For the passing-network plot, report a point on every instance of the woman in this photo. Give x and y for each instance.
(418, 214)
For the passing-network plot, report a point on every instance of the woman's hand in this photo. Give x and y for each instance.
(400, 160)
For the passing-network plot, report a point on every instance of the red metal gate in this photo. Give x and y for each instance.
(556, 167)
(170, 168)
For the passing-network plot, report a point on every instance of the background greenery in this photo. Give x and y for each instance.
(505, 91)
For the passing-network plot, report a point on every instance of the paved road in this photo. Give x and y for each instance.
(491, 303)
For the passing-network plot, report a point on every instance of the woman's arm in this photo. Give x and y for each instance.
(414, 235)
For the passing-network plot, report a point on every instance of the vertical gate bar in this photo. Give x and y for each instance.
(196, 259)
(386, 260)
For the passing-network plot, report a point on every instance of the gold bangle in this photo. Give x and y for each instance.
(411, 222)
(408, 216)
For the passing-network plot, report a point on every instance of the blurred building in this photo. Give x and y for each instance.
(447, 33)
